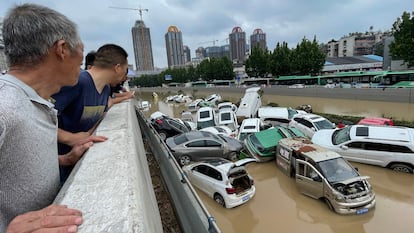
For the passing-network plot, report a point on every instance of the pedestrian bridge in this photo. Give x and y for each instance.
(112, 185)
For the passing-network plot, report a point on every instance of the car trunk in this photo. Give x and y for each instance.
(239, 179)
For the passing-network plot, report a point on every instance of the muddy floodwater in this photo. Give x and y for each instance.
(279, 207)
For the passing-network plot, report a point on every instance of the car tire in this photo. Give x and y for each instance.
(233, 156)
(184, 160)
(399, 167)
(220, 200)
(163, 135)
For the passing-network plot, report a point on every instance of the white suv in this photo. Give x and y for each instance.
(385, 146)
(309, 123)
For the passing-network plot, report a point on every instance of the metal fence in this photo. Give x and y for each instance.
(191, 212)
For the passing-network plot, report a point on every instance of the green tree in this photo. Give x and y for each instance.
(280, 60)
(215, 68)
(308, 58)
(403, 45)
(257, 65)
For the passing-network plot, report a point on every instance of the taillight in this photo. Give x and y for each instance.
(159, 121)
(230, 190)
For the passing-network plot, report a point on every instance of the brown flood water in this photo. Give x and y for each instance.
(279, 207)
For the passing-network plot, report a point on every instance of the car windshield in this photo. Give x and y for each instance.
(291, 113)
(341, 135)
(324, 124)
(243, 136)
(205, 124)
(180, 139)
(337, 170)
(256, 141)
(226, 116)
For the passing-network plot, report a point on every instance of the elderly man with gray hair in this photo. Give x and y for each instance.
(44, 52)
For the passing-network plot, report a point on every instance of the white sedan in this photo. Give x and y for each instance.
(228, 183)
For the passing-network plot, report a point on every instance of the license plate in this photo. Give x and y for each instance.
(245, 198)
(362, 211)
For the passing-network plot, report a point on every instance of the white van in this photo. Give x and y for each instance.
(206, 117)
(277, 115)
(227, 117)
(248, 126)
(249, 104)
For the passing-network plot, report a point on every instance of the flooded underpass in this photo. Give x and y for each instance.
(279, 207)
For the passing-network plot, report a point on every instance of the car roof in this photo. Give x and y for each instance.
(304, 146)
(251, 121)
(310, 116)
(394, 133)
(273, 112)
(268, 137)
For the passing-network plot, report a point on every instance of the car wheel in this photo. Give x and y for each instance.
(328, 203)
(233, 156)
(220, 200)
(399, 167)
(184, 160)
(163, 135)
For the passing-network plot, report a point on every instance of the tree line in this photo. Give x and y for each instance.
(306, 58)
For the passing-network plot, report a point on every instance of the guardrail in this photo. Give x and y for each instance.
(192, 214)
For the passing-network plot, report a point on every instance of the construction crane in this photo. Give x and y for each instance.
(145, 59)
(210, 41)
(140, 10)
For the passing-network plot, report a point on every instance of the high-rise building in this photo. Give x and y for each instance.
(187, 54)
(237, 40)
(200, 52)
(141, 39)
(258, 39)
(174, 46)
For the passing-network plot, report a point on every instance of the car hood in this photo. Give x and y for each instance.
(323, 137)
(352, 180)
(243, 162)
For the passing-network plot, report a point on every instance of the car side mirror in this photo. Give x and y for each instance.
(315, 177)
(343, 147)
(356, 169)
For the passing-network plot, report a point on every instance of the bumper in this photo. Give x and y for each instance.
(358, 207)
(255, 155)
(236, 200)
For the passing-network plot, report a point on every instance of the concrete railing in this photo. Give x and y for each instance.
(111, 184)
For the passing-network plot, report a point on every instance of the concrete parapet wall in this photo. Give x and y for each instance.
(111, 184)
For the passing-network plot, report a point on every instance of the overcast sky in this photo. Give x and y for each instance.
(202, 21)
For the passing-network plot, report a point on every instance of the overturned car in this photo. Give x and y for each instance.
(325, 175)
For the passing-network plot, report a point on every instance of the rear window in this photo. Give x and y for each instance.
(362, 131)
(180, 139)
(225, 116)
(204, 114)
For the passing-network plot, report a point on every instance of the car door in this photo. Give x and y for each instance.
(308, 179)
(214, 148)
(212, 181)
(197, 176)
(353, 151)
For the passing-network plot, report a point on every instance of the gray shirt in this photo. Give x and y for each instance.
(29, 170)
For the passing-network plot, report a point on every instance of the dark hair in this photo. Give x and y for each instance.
(109, 55)
(89, 59)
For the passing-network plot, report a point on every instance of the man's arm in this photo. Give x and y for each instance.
(79, 149)
(119, 97)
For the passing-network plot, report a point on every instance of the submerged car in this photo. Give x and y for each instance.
(325, 175)
(168, 127)
(202, 145)
(248, 126)
(206, 117)
(386, 146)
(219, 130)
(262, 145)
(228, 183)
(309, 123)
(277, 115)
(375, 121)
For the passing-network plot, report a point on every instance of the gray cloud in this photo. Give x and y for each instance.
(207, 20)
